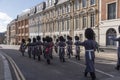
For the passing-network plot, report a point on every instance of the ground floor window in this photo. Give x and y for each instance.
(111, 33)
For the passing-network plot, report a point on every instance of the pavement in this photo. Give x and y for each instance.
(1, 69)
(107, 54)
(5, 73)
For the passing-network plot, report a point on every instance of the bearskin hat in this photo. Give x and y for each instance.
(51, 39)
(29, 40)
(89, 34)
(57, 40)
(70, 38)
(34, 39)
(43, 39)
(47, 38)
(38, 38)
(61, 38)
(23, 40)
(76, 38)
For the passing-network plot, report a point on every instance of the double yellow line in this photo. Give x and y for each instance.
(17, 71)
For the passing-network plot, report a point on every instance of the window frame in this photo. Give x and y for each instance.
(107, 10)
(84, 4)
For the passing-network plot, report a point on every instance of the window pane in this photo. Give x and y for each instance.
(84, 21)
(112, 11)
(92, 2)
(83, 3)
(92, 20)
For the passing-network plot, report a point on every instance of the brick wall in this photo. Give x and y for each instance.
(118, 9)
(104, 8)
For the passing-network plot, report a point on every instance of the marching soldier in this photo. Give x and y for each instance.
(51, 47)
(29, 45)
(56, 45)
(34, 48)
(43, 48)
(118, 52)
(77, 47)
(22, 47)
(39, 47)
(90, 48)
(61, 46)
(69, 46)
(47, 51)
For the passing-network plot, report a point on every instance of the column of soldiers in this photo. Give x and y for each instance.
(44, 47)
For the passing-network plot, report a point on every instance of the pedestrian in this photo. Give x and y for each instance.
(22, 47)
(69, 46)
(29, 46)
(90, 48)
(34, 48)
(61, 46)
(44, 46)
(48, 50)
(56, 46)
(77, 47)
(51, 47)
(118, 51)
(118, 54)
(39, 47)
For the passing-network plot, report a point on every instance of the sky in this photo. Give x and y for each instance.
(9, 9)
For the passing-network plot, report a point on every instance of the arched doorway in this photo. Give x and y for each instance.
(111, 34)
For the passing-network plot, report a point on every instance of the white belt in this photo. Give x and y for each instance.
(69, 45)
(61, 47)
(89, 52)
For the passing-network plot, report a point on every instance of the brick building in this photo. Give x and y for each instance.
(11, 32)
(109, 21)
(22, 31)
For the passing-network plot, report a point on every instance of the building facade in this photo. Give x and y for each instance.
(22, 31)
(66, 17)
(36, 20)
(8, 34)
(109, 21)
(11, 32)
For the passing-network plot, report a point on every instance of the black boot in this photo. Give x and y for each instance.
(93, 76)
(48, 61)
(63, 59)
(22, 54)
(29, 55)
(39, 58)
(34, 56)
(78, 57)
(69, 56)
(117, 67)
(85, 74)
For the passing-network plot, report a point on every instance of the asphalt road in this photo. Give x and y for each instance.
(70, 70)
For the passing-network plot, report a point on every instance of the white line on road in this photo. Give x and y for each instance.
(102, 72)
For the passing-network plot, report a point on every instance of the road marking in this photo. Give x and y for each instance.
(18, 73)
(7, 72)
(105, 62)
(102, 72)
